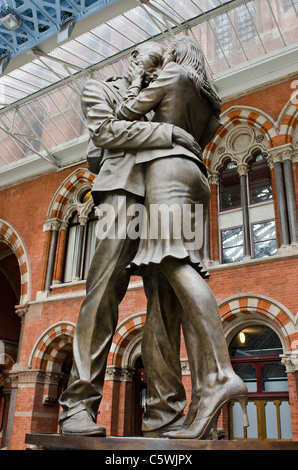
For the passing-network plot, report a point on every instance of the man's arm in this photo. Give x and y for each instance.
(111, 133)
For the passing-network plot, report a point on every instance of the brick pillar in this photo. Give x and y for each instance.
(213, 218)
(36, 404)
(290, 360)
(295, 180)
(115, 409)
(60, 253)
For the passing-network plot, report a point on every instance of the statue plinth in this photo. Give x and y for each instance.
(67, 442)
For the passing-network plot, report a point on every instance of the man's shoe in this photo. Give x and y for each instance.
(175, 426)
(81, 424)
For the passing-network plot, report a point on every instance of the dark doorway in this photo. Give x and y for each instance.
(138, 397)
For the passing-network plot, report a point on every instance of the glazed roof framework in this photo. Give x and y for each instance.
(58, 44)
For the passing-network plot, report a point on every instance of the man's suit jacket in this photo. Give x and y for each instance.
(113, 143)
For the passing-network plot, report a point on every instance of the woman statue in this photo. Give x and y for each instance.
(182, 96)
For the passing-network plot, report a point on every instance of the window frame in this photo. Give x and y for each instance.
(249, 191)
(224, 169)
(221, 243)
(252, 237)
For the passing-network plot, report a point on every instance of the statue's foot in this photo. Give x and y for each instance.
(204, 426)
(81, 424)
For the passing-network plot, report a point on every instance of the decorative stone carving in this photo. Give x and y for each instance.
(119, 374)
(21, 311)
(290, 361)
(52, 224)
(240, 140)
(214, 177)
(280, 154)
(242, 169)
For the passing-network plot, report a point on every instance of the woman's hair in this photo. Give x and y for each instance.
(188, 53)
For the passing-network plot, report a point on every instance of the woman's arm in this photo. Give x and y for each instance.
(137, 103)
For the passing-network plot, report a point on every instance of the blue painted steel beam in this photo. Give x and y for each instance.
(41, 20)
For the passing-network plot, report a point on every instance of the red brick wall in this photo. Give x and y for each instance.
(271, 99)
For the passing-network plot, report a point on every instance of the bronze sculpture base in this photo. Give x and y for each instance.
(58, 442)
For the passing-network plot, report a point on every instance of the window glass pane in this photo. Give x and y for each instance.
(232, 245)
(259, 180)
(274, 378)
(245, 25)
(285, 420)
(252, 429)
(271, 421)
(264, 239)
(223, 31)
(248, 374)
(229, 187)
(256, 340)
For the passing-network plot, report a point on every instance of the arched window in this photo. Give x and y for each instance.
(249, 231)
(81, 242)
(255, 357)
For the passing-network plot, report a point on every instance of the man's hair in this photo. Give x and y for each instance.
(159, 50)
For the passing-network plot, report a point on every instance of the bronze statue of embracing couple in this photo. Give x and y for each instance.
(147, 131)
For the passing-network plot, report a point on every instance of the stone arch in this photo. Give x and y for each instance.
(64, 201)
(52, 347)
(10, 236)
(247, 308)
(126, 339)
(287, 122)
(259, 125)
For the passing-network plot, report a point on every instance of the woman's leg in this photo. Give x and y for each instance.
(200, 305)
(222, 384)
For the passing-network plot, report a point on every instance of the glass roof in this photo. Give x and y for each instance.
(40, 101)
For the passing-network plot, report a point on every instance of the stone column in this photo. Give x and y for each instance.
(81, 251)
(54, 226)
(275, 162)
(243, 171)
(287, 157)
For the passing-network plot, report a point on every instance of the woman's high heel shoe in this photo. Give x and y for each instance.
(235, 390)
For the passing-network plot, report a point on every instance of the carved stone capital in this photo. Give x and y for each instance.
(290, 361)
(34, 377)
(119, 374)
(242, 169)
(52, 224)
(83, 219)
(64, 225)
(21, 311)
(280, 154)
(213, 177)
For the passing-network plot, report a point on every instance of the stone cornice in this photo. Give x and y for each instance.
(34, 377)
